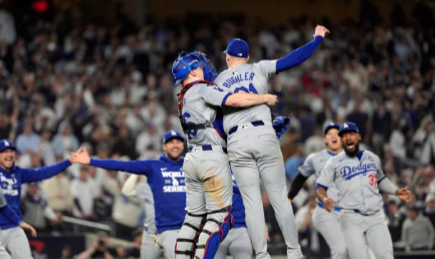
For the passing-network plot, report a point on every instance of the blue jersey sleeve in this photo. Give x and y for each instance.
(135, 167)
(9, 214)
(299, 55)
(38, 174)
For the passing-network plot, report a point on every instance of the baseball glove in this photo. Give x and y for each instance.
(280, 124)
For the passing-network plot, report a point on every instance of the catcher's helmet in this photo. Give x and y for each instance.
(187, 62)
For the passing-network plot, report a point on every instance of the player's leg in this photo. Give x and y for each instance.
(196, 212)
(328, 224)
(167, 241)
(352, 228)
(241, 247)
(378, 237)
(271, 165)
(3, 253)
(218, 190)
(149, 248)
(248, 180)
(18, 245)
(224, 247)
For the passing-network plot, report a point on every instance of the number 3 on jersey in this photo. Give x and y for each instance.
(251, 90)
(373, 180)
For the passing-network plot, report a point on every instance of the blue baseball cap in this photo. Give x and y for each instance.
(238, 48)
(6, 144)
(172, 134)
(348, 127)
(331, 125)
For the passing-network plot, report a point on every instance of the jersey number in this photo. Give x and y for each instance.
(373, 180)
(251, 89)
(190, 133)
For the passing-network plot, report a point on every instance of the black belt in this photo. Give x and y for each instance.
(254, 123)
(208, 148)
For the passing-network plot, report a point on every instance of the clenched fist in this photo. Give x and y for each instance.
(320, 31)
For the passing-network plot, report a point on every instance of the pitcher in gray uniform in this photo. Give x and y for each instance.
(254, 150)
(357, 175)
(326, 223)
(206, 168)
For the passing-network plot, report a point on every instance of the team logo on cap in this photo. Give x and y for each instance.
(345, 125)
(6, 143)
(173, 133)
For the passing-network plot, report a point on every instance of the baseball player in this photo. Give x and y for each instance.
(252, 145)
(132, 188)
(357, 176)
(11, 177)
(167, 181)
(326, 223)
(206, 168)
(9, 214)
(237, 243)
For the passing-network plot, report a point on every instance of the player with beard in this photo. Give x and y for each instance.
(166, 179)
(358, 176)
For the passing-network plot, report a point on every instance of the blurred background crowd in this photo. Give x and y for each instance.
(66, 83)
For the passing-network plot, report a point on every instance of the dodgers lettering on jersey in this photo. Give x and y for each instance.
(200, 106)
(313, 166)
(356, 180)
(249, 78)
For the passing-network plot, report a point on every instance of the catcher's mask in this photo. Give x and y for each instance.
(187, 62)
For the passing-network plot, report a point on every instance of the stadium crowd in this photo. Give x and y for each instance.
(64, 85)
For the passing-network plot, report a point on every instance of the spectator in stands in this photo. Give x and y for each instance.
(36, 210)
(125, 146)
(28, 140)
(395, 219)
(99, 249)
(84, 193)
(148, 136)
(429, 210)
(417, 232)
(134, 252)
(292, 164)
(58, 194)
(126, 210)
(64, 142)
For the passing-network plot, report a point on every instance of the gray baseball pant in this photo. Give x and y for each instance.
(255, 155)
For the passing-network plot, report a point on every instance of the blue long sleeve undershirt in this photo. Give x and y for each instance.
(299, 55)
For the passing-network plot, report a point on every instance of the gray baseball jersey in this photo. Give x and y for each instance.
(356, 179)
(199, 107)
(250, 78)
(326, 223)
(314, 164)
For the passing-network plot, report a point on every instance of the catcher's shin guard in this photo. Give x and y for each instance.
(188, 236)
(215, 230)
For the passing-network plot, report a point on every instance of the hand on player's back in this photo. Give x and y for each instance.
(320, 31)
(272, 99)
(80, 157)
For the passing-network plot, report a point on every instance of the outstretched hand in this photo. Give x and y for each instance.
(329, 204)
(320, 31)
(80, 157)
(404, 194)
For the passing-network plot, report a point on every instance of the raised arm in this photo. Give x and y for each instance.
(129, 186)
(37, 174)
(135, 167)
(299, 55)
(385, 185)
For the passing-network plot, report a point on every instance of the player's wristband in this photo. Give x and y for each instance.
(324, 199)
